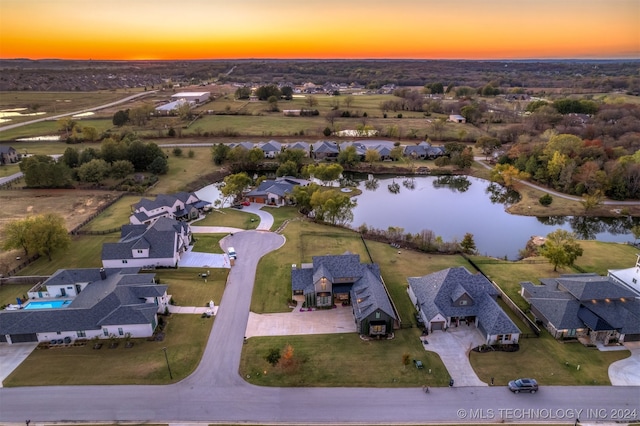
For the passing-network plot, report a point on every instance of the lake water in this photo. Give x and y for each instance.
(453, 206)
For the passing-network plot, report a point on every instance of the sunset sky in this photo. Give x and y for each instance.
(349, 29)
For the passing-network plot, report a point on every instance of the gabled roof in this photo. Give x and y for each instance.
(574, 301)
(368, 295)
(280, 186)
(325, 147)
(116, 299)
(160, 238)
(271, 146)
(436, 292)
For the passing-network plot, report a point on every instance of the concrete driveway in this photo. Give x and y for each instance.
(195, 259)
(11, 356)
(324, 321)
(626, 372)
(453, 347)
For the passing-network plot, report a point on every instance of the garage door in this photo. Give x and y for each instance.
(22, 338)
(3, 338)
(437, 326)
(632, 337)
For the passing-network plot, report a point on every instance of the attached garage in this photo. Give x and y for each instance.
(22, 338)
(437, 326)
(3, 338)
(632, 337)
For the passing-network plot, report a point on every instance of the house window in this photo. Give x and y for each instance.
(506, 337)
(139, 251)
(634, 280)
(324, 300)
(377, 315)
(81, 333)
(124, 261)
(105, 332)
(58, 333)
(120, 331)
(378, 329)
(463, 302)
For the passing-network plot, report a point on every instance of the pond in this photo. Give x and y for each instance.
(451, 206)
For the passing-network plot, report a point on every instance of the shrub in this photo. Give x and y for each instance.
(546, 199)
(273, 357)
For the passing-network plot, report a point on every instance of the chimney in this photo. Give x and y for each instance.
(103, 274)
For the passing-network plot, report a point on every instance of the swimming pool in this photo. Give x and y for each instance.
(48, 304)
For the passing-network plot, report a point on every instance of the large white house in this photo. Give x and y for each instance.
(159, 245)
(180, 206)
(86, 303)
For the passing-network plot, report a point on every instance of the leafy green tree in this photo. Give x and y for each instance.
(48, 234)
(324, 172)
(349, 156)
(371, 156)
(296, 155)
(113, 150)
(272, 101)
(488, 145)
(89, 134)
(120, 118)
(121, 169)
(265, 92)
(140, 115)
(159, 165)
(16, 235)
(94, 171)
(591, 201)
(67, 125)
(566, 144)
(561, 248)
(332, 207)
(88, 154)
(243, 93)
(255, 156)
(42, 171)
(184, 112)
(468, 245)
(288, 168)
(71, 157)
(302, 196)
(142, 155)
(464, 159)
(220, 153)
(234, 185)
(287, 93)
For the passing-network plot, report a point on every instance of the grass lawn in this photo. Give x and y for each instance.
(85, 252)
(208, 243)
(549, 361)
(230, 217)
(144, 363)
(184, 169)
(9, 293)
(9, 169)
(343, 365)
(189, 289)
(281, 214)
(305, 239)
(116, 215)
(598, 257)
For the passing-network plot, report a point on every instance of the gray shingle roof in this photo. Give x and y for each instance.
(573, 301)
(436, 292)
(118, 299)
(160, 238)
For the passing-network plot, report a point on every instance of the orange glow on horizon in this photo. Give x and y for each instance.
(328, 29)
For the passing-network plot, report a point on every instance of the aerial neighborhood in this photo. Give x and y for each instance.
(230, 231)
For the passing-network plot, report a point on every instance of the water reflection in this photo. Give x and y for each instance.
(454, 183)
(501, 195)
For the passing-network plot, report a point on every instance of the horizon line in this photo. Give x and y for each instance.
(576, 58)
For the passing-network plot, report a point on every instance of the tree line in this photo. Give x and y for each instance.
(116, 158)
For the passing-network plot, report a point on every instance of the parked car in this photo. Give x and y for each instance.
(236, 206)
(232, 253)
(246, 203)
(523, 385)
